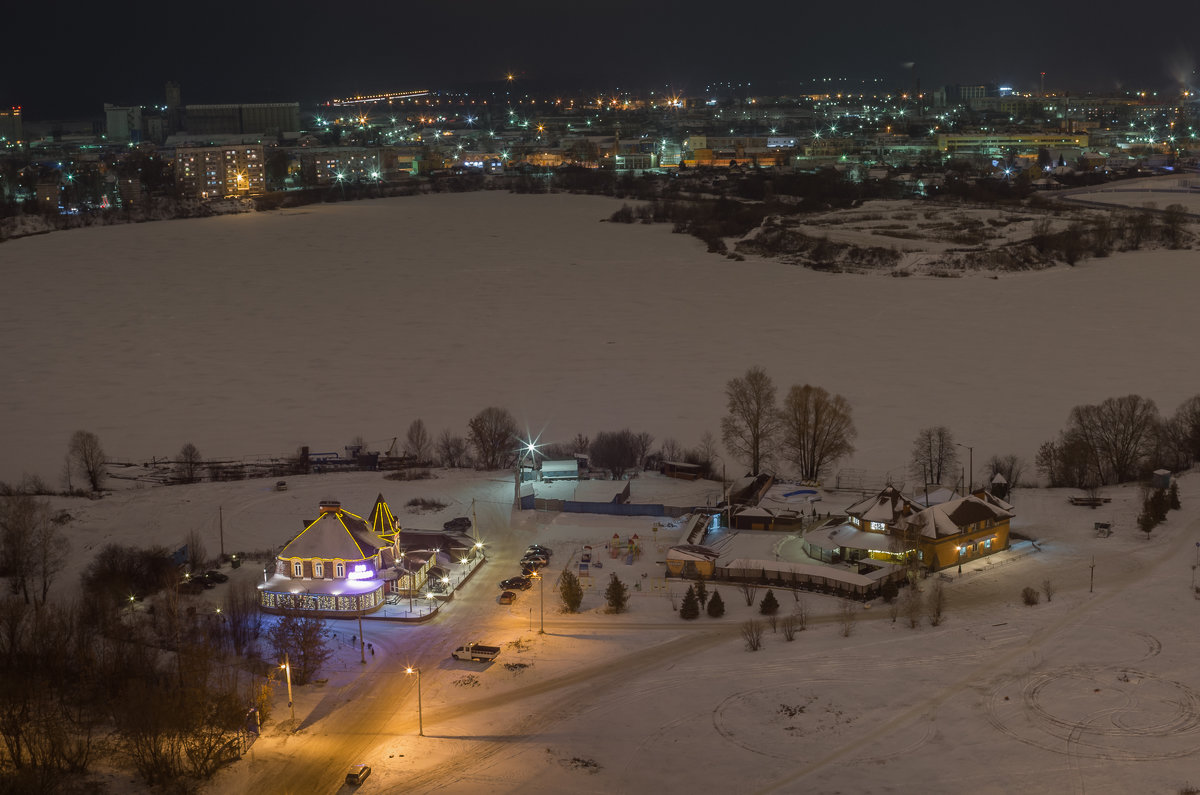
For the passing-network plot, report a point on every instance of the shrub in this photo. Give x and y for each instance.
(1030, 596)
(769, 605)
(616, 594)
(889, 591)
(716, 606)
(752, 633)
(690, 608)
(571, 592)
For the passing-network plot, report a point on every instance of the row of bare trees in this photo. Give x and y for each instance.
(811, 430)
(1119, 440)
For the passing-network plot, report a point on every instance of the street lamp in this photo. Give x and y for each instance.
(971, 462)
(420, 720)
(542, 602)
(287, 667)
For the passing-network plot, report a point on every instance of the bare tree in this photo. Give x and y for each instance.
(302, 639)
(750, 427)
(615, 451)
(707, 451)
(749, 591)
(89, 457)
(49, 549)
(1048, 589)
(642, 442)
(817, 429)
(752, 632)
(670, 450)
(933, 454)
(911, 604)
(848, 613)
(417, 442)
(801, 613)
(580, 444)
(197, 554)
(188, 465)
(20, 518)
(451, 449)
(493, 434)
(790, 624)
(1119, 433)
(935, 604)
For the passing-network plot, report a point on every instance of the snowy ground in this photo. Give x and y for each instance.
(253, 334)
(1095, 691)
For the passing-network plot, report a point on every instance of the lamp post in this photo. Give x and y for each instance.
(362, 644)
(541, 602)
(971, 463)
(287, 667)
(420, 720)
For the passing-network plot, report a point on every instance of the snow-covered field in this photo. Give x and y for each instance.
(1095, 691)
(257, 333)
(254, 334)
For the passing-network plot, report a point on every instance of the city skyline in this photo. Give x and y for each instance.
(305, 55)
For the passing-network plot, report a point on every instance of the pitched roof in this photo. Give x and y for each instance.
(888, 506)
(383, 523)
(336, 534)
(949, 518)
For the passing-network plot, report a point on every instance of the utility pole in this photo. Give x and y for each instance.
(1092, 579)
(221, 524)
(362, 644)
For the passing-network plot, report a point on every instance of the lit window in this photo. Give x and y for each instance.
(318, 568)
(298, 569)
(341, 570)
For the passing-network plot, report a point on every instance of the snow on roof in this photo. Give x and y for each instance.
(846, 535)
(560, 465)
(336, 534)
(939, 495)
(692, 552)
(949, 518)
(887, 506)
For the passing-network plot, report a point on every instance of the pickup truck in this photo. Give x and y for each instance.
(476, 651)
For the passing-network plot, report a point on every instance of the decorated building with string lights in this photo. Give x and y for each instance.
(342, 564)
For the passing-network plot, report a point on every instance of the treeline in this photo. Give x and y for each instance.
(1120, 440)
(139, 673)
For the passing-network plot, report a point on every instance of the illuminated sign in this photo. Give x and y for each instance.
(361, 571)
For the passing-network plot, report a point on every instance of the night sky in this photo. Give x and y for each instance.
(66, 59)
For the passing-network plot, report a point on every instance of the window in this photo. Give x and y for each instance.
(987, 544)
(298, 569)
(341, 570)
(318, 568)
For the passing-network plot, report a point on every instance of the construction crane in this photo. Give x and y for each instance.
(391, 447)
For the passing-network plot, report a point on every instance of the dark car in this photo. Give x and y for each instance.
(517, 583)
(507, 598)
(192, 586)
(538, 549)
(216, 576)
(534, 560)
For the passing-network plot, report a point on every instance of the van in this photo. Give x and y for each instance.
(358, 774)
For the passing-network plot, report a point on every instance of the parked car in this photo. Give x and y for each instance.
(216, 576)
(539, 549)
(516, 583)
(192, 586)
(358, 774)
(536, 556)
(477, 652)
(507, 598)
(534, 562)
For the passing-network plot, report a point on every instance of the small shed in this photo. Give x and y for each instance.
(564, 469)
(1162, 479)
